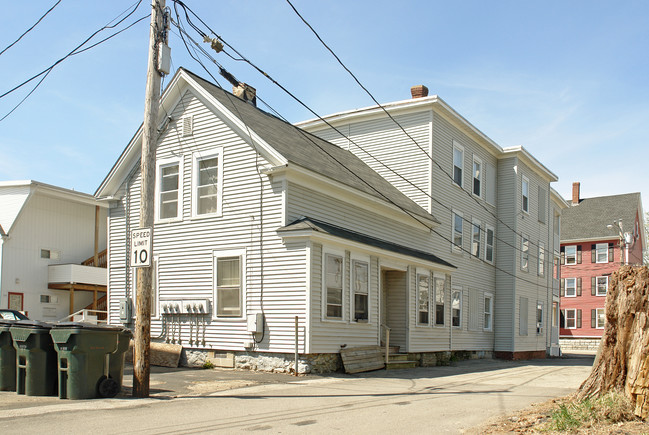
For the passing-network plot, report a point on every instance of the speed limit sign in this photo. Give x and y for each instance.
(141, 247)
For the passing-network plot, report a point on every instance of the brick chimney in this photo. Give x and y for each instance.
(246, 93)
(419, 91)
(575, 193)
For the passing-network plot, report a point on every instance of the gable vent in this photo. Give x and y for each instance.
(188, 126)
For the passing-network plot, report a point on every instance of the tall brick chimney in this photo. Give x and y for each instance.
(419, 91)
(575, 193)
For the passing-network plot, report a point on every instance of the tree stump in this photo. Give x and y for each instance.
(622, 361)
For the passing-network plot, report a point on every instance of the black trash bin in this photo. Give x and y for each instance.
(116, 359)
(85, 360)
(35, 358)
(7, 357)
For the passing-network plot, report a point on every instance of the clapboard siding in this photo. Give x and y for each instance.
(13, 199)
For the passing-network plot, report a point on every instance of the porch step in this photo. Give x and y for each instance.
(400, 361)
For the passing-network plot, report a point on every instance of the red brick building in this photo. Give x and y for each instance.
(597, 236)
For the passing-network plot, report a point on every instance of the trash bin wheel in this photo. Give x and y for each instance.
(107, 387)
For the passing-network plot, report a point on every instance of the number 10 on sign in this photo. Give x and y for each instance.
(141, 247)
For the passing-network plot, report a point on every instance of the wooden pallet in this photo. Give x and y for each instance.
(362, 359)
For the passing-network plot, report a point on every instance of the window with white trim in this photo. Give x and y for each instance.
(601, 252)
(571, 287)
(229, 283)
(600, 318)
(488, 311)
(602, 285)
(539, 317)
(571, 318)
(423, 299)
(360, 280)
(525, 193)
(541, 258)
(334, 286)
(440, 299)
(525, 253)
(489, 245)
(475, 238)
(458, 163)
(571, 254)
(169, 190)
(456, 308)
(458, 222)
(477, 177)
(207, 183)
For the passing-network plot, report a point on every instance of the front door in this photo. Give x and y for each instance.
(393, 306)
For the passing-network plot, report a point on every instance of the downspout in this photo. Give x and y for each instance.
(3, 236)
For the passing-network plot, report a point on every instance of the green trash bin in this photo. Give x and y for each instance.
(7, 357)
(116, 359)
(35, 358)
(84, 359)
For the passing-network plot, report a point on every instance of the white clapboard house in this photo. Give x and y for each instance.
(258, 222)
(499, 217)
(48, 239)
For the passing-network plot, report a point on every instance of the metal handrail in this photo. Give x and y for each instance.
(84, 316)
(387, 344)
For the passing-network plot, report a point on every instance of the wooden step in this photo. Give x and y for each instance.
(395, 357)
(396, 365)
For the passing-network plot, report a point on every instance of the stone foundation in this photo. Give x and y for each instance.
(580, 344)
(444, 358)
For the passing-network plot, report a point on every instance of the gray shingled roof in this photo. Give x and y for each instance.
(588, 219)
(325, 228)
(313, 153)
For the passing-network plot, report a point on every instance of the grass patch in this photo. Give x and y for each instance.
(613, 407)
(208, 364)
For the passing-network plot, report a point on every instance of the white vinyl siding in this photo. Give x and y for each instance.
(490, 187)
(542, 205)
(523, 309)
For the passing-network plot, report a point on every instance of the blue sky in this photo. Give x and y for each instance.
(567, 80)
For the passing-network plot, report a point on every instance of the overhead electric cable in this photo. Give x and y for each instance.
(30, 29)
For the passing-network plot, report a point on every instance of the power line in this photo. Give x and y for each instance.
(30, 29)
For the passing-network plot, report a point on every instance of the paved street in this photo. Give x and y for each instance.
(441, 399)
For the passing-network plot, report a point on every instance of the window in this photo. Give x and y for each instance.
(541, 268)
(456, 308)
(602, 285)
(571, 318)
(334, 286)
(525, 190)
(488, 311)
(457, 231)
(458, 163)
(489, 245)
(229, 288)
(169, 190)
(360, 277)
(50, 254)
(207, 184)
(600, 318)
(423, 301)
(571, 254)
(477, 176)
(601, 253)
(571, 287)
(440, 297)
(475, 239)
(539, 317)
(525, 253)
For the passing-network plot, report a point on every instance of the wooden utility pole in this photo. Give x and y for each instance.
(141, 351)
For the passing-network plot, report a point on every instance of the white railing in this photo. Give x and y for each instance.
(387, 344)
(86, 316)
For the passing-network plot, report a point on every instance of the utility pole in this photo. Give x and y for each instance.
(141, 351)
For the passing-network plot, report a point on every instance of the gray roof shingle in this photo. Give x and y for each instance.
(588, 219)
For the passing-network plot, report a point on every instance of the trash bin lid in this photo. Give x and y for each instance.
(86, 326)
(32, 324)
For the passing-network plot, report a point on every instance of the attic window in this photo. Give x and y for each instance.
(53, 255)
(188, 126)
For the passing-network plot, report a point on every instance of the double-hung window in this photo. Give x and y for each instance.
(489, 245)
(207, 183)
(525, 191)
(475, 239)
(571, 254)
(360, 276)
(601, 252)
(169, 190)
(456, 308)
(525, 253)
(488, 311)
(423, 299)
(571, 318)
(477, 177)
(571, 287)
(457, 231)
(539, 317)
(600, 318)
(229, 267)
(602, 285)
(333, 286)
(541, 265)
(440, 298)
(458, 163)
